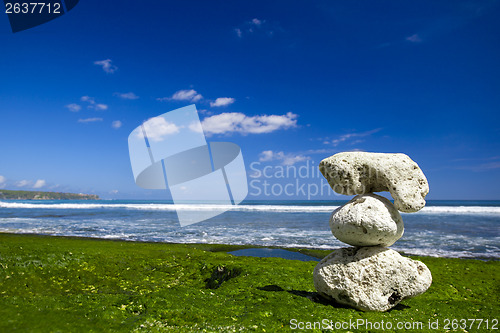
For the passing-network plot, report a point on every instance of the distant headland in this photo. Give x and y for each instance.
(37, 195)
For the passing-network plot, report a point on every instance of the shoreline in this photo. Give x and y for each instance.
(318, 253)
(450, 231)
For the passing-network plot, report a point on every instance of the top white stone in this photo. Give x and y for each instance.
(355, 173)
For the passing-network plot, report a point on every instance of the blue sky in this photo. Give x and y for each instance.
(291, 82)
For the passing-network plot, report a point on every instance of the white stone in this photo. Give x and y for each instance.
(370, 278)
(367, 220)
(355, 173)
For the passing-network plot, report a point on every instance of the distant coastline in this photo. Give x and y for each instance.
(37, 195)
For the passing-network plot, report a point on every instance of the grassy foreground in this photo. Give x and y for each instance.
(74, 284)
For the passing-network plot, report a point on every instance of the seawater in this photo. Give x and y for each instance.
(460, 229)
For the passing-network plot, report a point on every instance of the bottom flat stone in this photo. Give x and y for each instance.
(370, 278)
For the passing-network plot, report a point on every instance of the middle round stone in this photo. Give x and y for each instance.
(367, 220)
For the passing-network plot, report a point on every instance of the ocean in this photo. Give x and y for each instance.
(454, 229)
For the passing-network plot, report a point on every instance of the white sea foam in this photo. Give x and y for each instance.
(422, 249)
(168, 207)
(460, 210)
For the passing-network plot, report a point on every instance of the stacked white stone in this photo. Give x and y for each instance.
(369, 276)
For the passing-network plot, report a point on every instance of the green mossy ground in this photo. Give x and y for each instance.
(62, 284)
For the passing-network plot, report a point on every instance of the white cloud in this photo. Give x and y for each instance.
(116, 124)
(222, 101)
(256, 22)
(249, 27)
(196, 127)
(92, 103)
(346, 137)
(88, 99)
(3, 180)
(113, 191)
(240, 123)
(205, 112)
(157, 128)
(39, 183)
(73, 107)
(292, 159)
(321, 151)
(187, 95)
(89, 120)
(183, 95)
(129, 95)
(106, 65)
(414, 38)
(479, 164)
(23, 183)
(101, 107)
(286, 159)
(480, 167)
(257, 26)
(266, 155)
